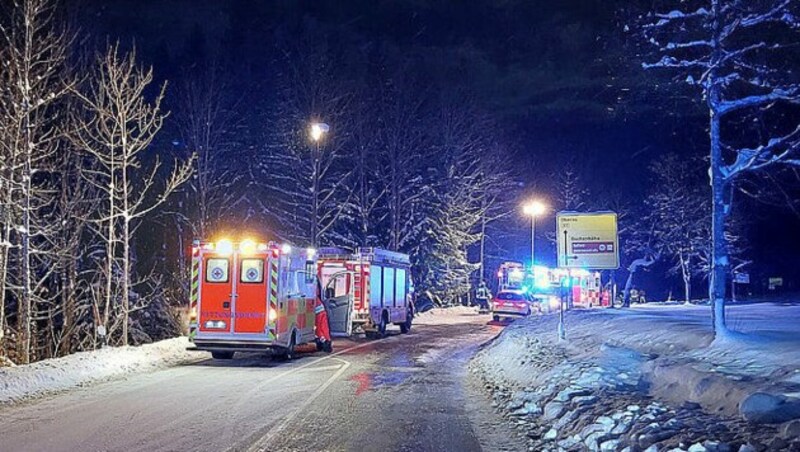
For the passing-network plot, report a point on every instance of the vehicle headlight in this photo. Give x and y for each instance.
(273, 315)
(216, 324)
(555, 302)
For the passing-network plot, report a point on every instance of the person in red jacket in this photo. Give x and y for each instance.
(322, 328)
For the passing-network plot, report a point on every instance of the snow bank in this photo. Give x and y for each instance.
(80, 369)
(563, 392)
(447, 316)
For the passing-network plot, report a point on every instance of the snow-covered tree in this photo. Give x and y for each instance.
(573, 195)
(206, 120)
(120, 125)
(33, 83)
(735, 52)
(679, 209)
(302, 180)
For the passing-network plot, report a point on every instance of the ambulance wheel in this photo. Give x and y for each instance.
(222, 355)
(287, 354)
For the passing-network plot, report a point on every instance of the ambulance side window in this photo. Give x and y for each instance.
(252, 271)
(376, 284)
(217, 270)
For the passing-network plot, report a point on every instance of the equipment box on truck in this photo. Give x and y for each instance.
(366, 290)
(249, 296)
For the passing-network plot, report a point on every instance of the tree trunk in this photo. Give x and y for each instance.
(686, 273)
(25, 303)
(126, 251)
(720, 261)
(482, 274)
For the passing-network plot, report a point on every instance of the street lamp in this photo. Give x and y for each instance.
(317, 131)
(533, 209)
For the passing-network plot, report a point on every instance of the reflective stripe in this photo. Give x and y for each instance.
(319, 308)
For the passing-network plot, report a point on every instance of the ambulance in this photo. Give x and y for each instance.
(366, 290)
(250, 296)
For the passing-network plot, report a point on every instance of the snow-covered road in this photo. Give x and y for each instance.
(406, 392)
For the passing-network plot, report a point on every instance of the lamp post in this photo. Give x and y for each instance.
(534, 209)
(316, 132)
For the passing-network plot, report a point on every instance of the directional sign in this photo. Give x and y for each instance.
(587, 240)
(742, 278)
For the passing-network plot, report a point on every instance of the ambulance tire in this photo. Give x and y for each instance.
(287, 353)
(222, 355)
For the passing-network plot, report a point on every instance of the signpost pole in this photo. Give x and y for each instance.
(562, 330)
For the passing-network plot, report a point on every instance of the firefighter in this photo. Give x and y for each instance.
(483, 295)
(322, 328)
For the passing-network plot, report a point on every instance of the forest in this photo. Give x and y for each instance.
(116, 151)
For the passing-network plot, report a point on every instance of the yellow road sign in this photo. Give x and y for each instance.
(587, 240)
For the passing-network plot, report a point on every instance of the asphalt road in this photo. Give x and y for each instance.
(405, 392)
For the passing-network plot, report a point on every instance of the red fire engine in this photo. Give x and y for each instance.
(251, 296)
(366, 290)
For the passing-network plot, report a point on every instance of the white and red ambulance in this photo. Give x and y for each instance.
(250, 296)
(365, 290)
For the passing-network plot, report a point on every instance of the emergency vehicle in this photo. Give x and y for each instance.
(510, 276)
(549, 285)
(365, 290)
(583, 287)
(251, 296)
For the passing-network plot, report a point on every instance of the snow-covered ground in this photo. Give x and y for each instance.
(54, 375)
(662, 360)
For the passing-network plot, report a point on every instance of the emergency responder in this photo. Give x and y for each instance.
(483, 295)
(322, 328)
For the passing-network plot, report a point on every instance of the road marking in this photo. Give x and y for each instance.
(244, 397)
(260, 444)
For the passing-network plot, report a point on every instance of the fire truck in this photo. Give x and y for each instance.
(365, 290)
(250, 296)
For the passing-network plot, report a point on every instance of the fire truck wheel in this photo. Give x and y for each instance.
(405, 327)
(222, 355)
(382, 327)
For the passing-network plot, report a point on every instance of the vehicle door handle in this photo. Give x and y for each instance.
(226, 305)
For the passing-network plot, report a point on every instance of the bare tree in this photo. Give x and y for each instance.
(680, 211)
(34, 82)
(303, 180)
(121, 124)
(206, 119)
(732, 51)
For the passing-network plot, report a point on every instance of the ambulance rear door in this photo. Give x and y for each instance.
(251, 293)
(216, 294)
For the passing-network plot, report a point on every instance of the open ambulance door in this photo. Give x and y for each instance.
(338, 299)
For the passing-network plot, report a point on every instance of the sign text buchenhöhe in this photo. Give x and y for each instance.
(588, 240)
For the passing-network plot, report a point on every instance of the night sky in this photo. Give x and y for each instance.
(562, 79)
